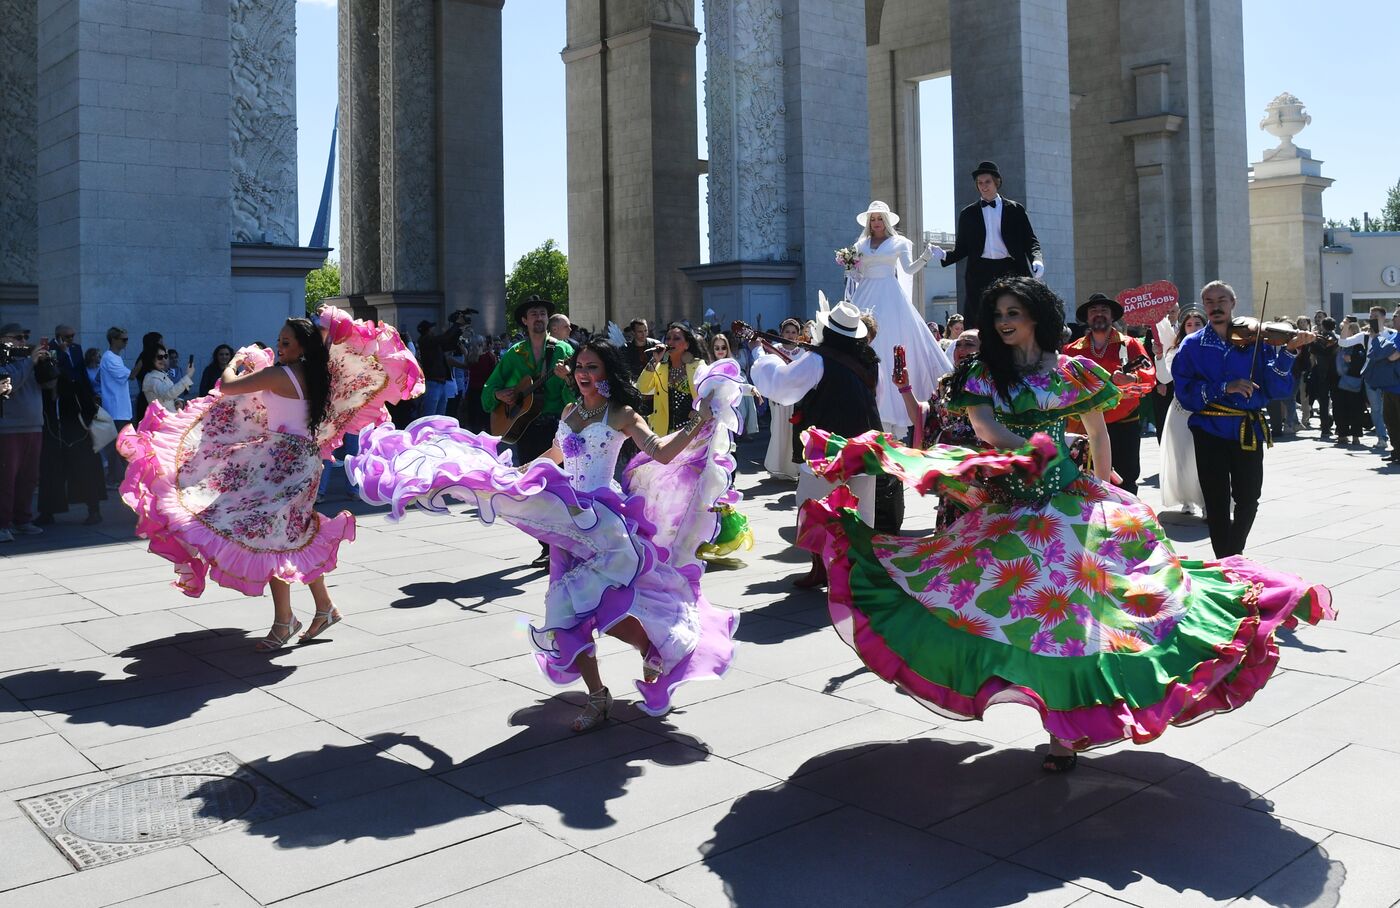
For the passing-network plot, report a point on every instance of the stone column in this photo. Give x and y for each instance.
(1011, 104)
(263, 125)
(408, 260)
(746, 130)
(633, 172)
(471, 181)
(134, 223)
(827, 138)
(359, 147)
(19, 155)
(1285, 214)
(1150, 133)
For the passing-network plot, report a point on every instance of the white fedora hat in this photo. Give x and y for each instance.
(880, 208)
(843, 318)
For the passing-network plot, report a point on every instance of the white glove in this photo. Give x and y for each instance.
(936, 252)
(1038, 270)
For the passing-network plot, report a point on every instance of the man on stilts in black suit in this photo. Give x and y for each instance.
(995, 236)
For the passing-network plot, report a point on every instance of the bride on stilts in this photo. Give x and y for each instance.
(883, 286)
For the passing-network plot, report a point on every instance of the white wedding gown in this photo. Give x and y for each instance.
(1180, 483)
(883, 287)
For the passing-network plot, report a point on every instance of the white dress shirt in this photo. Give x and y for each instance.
(994, 247)
(785, 383)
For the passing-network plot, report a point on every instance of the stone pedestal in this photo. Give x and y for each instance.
(1011, 105)
(1285, 230)
(759, 293)
(269, 286)
(633, 174)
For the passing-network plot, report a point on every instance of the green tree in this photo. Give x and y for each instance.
(543, 270)
(322, 283)
(1390, 211)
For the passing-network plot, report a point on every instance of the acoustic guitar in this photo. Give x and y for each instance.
(509, 421)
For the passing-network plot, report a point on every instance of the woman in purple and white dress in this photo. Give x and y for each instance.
(622, 556)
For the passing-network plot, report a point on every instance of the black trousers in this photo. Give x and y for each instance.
(1125, 440)
(980, 274)
(1228, 473)
(1322, 396)
(1350, 407)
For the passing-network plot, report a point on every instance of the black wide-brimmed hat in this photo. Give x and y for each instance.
(530, 302)
(1098, 299)
(987, 167)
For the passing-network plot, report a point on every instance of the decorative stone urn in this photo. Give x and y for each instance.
(1284, 118)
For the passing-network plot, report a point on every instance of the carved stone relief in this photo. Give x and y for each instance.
(263, 121)
(745, 116)
(408, 146)
(19, 150)
(673, 12)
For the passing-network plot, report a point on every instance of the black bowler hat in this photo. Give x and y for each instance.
(530, 302)
(1098, 299)
(987, 167)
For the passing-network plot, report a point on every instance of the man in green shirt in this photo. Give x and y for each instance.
(529, 359)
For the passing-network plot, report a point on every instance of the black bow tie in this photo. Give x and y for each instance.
(987, 204)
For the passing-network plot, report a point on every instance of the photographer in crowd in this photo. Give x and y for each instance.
(21, 429)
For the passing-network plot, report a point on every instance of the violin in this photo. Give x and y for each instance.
(746, 333)
(1245, 331)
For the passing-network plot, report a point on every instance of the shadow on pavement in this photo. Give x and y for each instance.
(164, 683)
(398, 765)
(1081, 827)
(458, 592)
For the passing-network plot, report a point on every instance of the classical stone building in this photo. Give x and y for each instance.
(151, 168)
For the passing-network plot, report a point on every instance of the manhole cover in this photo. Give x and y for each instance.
(164, 807)
(130, 815)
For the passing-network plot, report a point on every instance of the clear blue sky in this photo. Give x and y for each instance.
(1335, 62)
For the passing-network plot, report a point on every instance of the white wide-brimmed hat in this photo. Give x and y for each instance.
(881, 208)
(843, 318)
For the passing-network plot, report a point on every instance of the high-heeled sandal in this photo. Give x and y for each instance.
(595, 713)
(274, 641)
(1058, 763)
(330, 617)
(653, 666)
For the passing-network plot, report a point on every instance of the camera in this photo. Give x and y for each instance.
(10, 353)
(462, 317)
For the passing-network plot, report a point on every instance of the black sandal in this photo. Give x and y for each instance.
(1058, 763)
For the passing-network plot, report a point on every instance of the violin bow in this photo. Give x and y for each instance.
(1259, 335)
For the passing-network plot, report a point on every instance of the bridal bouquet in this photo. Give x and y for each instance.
(847, 257)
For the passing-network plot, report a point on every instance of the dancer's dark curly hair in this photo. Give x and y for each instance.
(316, 369)
(1044, 307)
(619, 375)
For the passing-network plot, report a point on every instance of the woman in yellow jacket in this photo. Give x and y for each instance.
(670, 379)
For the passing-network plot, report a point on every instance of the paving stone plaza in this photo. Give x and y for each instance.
(416, 756)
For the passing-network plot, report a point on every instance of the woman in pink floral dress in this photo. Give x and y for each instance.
(226, 488)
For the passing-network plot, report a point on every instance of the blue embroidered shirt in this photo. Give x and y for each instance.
(1205, 364)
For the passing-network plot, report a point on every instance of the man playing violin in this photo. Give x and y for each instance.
(1226, 385)
(1125, 359)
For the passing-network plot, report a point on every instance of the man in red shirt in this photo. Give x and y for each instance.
(1127, 361)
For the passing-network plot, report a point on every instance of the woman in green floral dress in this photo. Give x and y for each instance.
(1056, 590)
